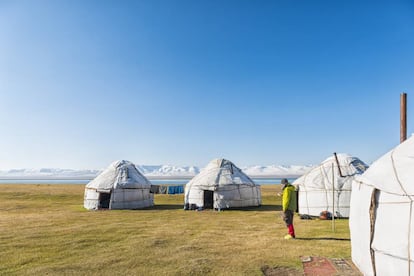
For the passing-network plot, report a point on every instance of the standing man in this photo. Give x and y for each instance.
(288, 206)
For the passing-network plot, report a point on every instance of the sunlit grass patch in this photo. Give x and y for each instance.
(45, 230)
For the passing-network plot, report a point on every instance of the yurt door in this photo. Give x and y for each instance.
(104, 199)
(208, 199)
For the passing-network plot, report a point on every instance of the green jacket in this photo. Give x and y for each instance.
(289, 198)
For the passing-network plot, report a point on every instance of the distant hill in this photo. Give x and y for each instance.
(154, 171)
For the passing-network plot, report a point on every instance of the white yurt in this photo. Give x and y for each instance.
(381, 219)
(326, 188)
(120, 186)
(221, 185)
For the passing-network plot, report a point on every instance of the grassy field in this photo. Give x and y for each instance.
(44, 229)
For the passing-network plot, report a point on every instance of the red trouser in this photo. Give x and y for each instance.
(291, 230)
(288, 219)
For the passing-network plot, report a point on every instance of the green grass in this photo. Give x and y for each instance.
(46, 230)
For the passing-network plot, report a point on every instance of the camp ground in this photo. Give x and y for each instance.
(48, 223)
(327, 187)
(221, 185)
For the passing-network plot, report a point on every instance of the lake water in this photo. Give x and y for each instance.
(173, 181)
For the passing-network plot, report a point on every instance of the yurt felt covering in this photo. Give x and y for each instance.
(120, 186)
(324, 189)
(222, 185)
(381, 219)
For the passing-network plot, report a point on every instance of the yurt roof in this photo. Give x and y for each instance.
(350, 166)
(394, 171)
(120, 174)
(221, 172)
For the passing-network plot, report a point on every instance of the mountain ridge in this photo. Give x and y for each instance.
(152, 171)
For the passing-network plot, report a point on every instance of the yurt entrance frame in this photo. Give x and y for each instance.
(104, 200)
(208, 197)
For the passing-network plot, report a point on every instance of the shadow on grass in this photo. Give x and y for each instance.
(246, 209)
(167, 207)
(322, 239)
(258, 208)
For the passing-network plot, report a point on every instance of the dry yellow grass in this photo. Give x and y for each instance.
(45, 230)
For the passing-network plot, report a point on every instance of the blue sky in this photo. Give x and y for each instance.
(83, 83)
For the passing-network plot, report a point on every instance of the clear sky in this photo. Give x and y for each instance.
(83, 83)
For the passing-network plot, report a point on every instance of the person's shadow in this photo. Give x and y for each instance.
(323, 239)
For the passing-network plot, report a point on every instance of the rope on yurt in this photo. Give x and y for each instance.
(396, 175)
(409, 239)
(325, 174)
(217, 181)
(411, 209)
(306, 193)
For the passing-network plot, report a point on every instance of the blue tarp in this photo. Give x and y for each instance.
(175, 190)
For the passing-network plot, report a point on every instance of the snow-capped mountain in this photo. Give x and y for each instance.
(276, 170)
(151, 172)
(49, 173)
(168, 171)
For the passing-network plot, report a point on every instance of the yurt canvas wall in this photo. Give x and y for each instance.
(120, 186)
(381, 218)
(323, 188)
(221, 185)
